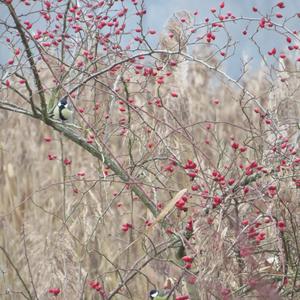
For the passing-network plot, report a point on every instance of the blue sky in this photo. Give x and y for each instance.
(159, 12)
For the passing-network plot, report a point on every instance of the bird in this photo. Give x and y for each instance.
(61, 110)
(159, 295)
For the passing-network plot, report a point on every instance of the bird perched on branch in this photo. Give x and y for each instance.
(62, 110)
(159, 295)
(166, 292)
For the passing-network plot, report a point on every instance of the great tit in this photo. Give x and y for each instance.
(61, 110)
(159, 295)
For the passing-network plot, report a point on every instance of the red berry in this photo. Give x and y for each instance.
(245, 222)
(281, 225)
(187, 259)
(235, 145)
(54, 291)
(231, 181)
(280, 5)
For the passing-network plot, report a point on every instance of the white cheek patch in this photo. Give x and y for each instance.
(155, 294)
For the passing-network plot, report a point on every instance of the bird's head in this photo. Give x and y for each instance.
(63, 103)
(153, 294)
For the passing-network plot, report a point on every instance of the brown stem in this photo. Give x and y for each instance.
(29, 54)
(17, 271)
